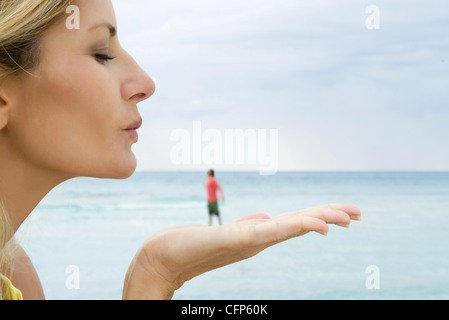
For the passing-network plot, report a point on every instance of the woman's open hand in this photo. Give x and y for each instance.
(175, 255)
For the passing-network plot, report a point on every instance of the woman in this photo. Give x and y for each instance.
(68, 108)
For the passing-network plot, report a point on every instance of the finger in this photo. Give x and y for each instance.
(274, 231)
(300, 225)
(328, 215)
(350, 209)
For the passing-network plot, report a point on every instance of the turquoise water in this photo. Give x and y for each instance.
(98, 225)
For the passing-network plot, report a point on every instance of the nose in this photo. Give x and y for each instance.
(137, 86)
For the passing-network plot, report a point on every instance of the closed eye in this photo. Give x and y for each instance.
(103, 58)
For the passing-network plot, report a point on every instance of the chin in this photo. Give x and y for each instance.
(125, 172)
(120, 171)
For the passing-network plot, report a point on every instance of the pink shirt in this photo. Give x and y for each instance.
(212, 186)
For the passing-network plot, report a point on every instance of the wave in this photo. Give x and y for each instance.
(98, 206)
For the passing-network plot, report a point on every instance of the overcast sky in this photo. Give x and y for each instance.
(340, 95)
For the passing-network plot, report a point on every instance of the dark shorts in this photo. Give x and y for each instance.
(213, 208)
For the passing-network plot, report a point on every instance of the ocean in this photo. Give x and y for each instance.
(83, 235)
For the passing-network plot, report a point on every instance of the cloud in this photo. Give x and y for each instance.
(308, 68)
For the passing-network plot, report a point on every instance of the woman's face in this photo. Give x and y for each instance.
(77, 113)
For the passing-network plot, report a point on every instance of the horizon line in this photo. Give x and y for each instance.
(298, 171)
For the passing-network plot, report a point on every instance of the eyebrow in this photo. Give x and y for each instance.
(112, 29)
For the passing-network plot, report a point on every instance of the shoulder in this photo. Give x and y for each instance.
(25, 277)
(11, 293)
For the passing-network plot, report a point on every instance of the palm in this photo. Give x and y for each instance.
(180, 253)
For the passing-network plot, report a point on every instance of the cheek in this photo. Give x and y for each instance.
(71, 123)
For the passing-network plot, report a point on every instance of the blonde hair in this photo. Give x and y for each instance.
(6, 234)
(22, 26)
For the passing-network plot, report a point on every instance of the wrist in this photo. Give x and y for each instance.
(141, 283)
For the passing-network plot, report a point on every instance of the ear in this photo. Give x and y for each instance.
(4, 109)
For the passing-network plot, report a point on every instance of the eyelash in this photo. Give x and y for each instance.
(103, 58)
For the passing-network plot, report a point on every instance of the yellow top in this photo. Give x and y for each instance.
(13, 292)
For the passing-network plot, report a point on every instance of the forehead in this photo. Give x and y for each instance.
(83, 15)
(61, 44)
(93, 11)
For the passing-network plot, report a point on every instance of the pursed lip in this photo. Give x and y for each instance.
(135, 125)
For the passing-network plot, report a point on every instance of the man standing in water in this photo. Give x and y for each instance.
(212, 202)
